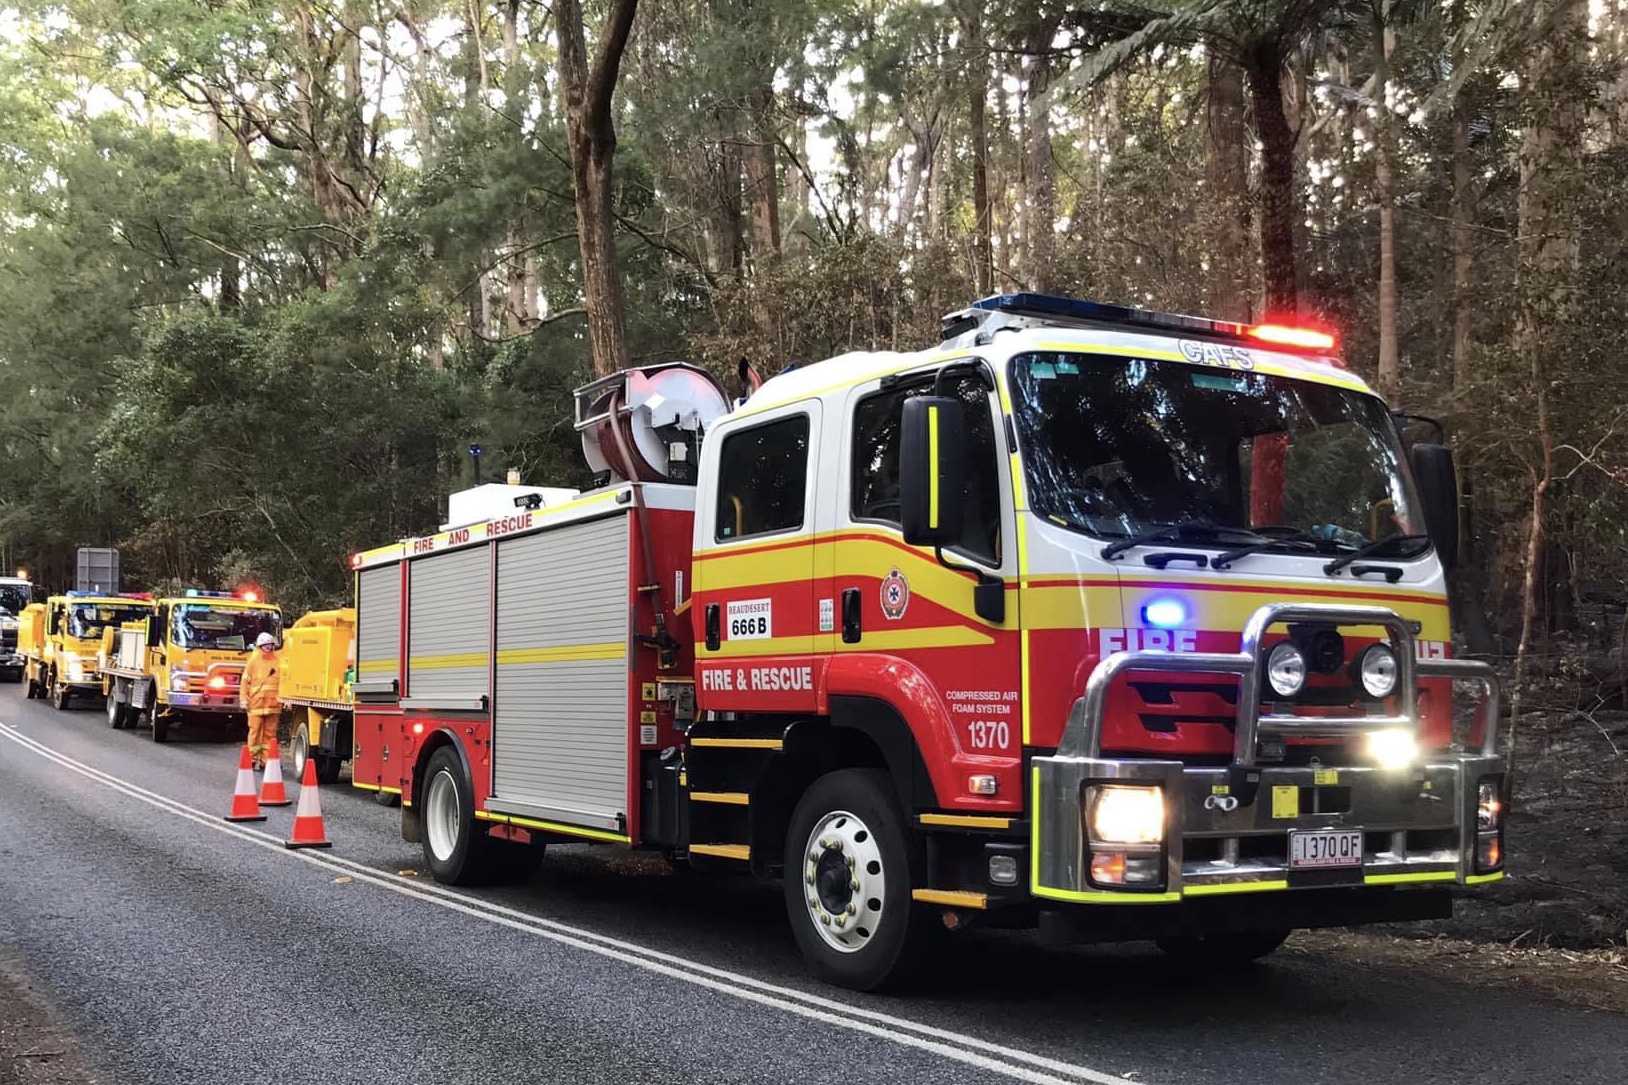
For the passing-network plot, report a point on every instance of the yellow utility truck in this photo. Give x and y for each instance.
(31, 647)
(65, 638)
(319, 654)
(183, 664)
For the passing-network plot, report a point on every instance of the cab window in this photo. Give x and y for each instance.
(762, 479)
(874, 464)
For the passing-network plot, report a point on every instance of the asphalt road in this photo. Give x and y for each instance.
(177, 948)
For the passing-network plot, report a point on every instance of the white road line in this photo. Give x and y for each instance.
(972, 1051)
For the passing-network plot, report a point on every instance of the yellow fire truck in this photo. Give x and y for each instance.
(63, 646)
(315, 686)
(183, 663)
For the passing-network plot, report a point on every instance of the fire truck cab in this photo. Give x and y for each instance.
(68, 662)
(1127, 625)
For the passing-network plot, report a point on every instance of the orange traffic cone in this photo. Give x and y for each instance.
(245, 807)
(272, 792)
(308, 830)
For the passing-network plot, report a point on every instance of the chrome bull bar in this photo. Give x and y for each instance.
(1059, 781)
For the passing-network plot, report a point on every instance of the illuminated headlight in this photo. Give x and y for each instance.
(1285, 669)
(1393, 749)
(1489, 805)
(178, 683)
(1119, 814)
(1376, 670)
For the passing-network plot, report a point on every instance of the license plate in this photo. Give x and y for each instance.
(1320, 849)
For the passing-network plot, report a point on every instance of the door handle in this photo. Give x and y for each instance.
(714, 627)
(850, 616)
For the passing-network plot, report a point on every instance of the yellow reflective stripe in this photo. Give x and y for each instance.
(966, 821)
(1482, 879)
(1127, 897)
(1422, 876)
(932, 467)
(377, 666)
(377, 787)
(739, 743)
(563, 653)
(729, 798)
(952, 898)
(1218, 888)
(447, 662)
(555, 827)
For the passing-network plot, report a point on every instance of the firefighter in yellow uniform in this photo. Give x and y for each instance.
(258, 694)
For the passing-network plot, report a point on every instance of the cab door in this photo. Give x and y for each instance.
(898, 602)
(757, 617)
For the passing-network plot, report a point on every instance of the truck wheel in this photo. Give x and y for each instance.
(456, 847)
(31, 688)
(847, 882)
(160, 724)
(1223, 950)
(327, 769)
(60, 695)
(300, 747)
(115, 709)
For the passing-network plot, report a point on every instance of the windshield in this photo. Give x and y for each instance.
(1116, 447)
(14, 597)
(194, 625)
(87, 620)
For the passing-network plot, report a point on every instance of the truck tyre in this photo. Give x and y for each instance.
(299, 747)
(31, 690)
(456, 847)
(1223, 950)
(848, 875)
(160, 724)
(116, 709)
(60, 694)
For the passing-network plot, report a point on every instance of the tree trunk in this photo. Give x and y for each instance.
(1226, 170)
(1040, 209)
(519, 279)
(1390, 370)
(1550, 168)
(763, 175)
(1264, 73)
(1463, 214)
(592, 140)
(983, 269)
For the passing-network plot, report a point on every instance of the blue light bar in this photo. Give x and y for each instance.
(1166, 613)
(1098, 313)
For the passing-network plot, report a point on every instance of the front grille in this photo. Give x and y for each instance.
(8, 638)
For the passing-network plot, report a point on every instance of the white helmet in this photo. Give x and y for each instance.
(265, 640)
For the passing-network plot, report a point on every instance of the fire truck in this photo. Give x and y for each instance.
(183, 663)
(1124, 625)
(65, 640)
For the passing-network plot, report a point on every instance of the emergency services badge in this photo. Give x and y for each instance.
(895, 595)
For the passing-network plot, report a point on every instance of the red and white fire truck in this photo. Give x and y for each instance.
(1128, 625)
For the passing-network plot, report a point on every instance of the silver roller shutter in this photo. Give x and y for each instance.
(560, 721)
(449, 626)
(378, 622)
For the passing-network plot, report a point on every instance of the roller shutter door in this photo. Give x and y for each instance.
(378, 622)
(449, 626)
(560, 721)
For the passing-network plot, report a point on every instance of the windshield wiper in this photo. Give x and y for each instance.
(1291, 538)
(1208, 530)
(1370, 550)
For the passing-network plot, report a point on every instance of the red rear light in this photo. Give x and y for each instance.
(1290, 336)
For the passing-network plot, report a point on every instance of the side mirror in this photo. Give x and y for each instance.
(155, 632)
(932, 459)
(1438, 488)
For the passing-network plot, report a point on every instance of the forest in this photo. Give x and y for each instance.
(270, 267)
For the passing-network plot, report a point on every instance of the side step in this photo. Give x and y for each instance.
(723, 851)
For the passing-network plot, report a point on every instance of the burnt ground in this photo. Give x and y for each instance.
(1567, 841)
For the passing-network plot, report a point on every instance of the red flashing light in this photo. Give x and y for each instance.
(249, 595)
(217, 682)
(1289, 335)
(356, 561)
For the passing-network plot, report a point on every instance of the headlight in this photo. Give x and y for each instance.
(1126, 815)
(178, 683)
(1285, 669)
(1489, 805)
(1376, 670)
(70, 657)
(1393, 749)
